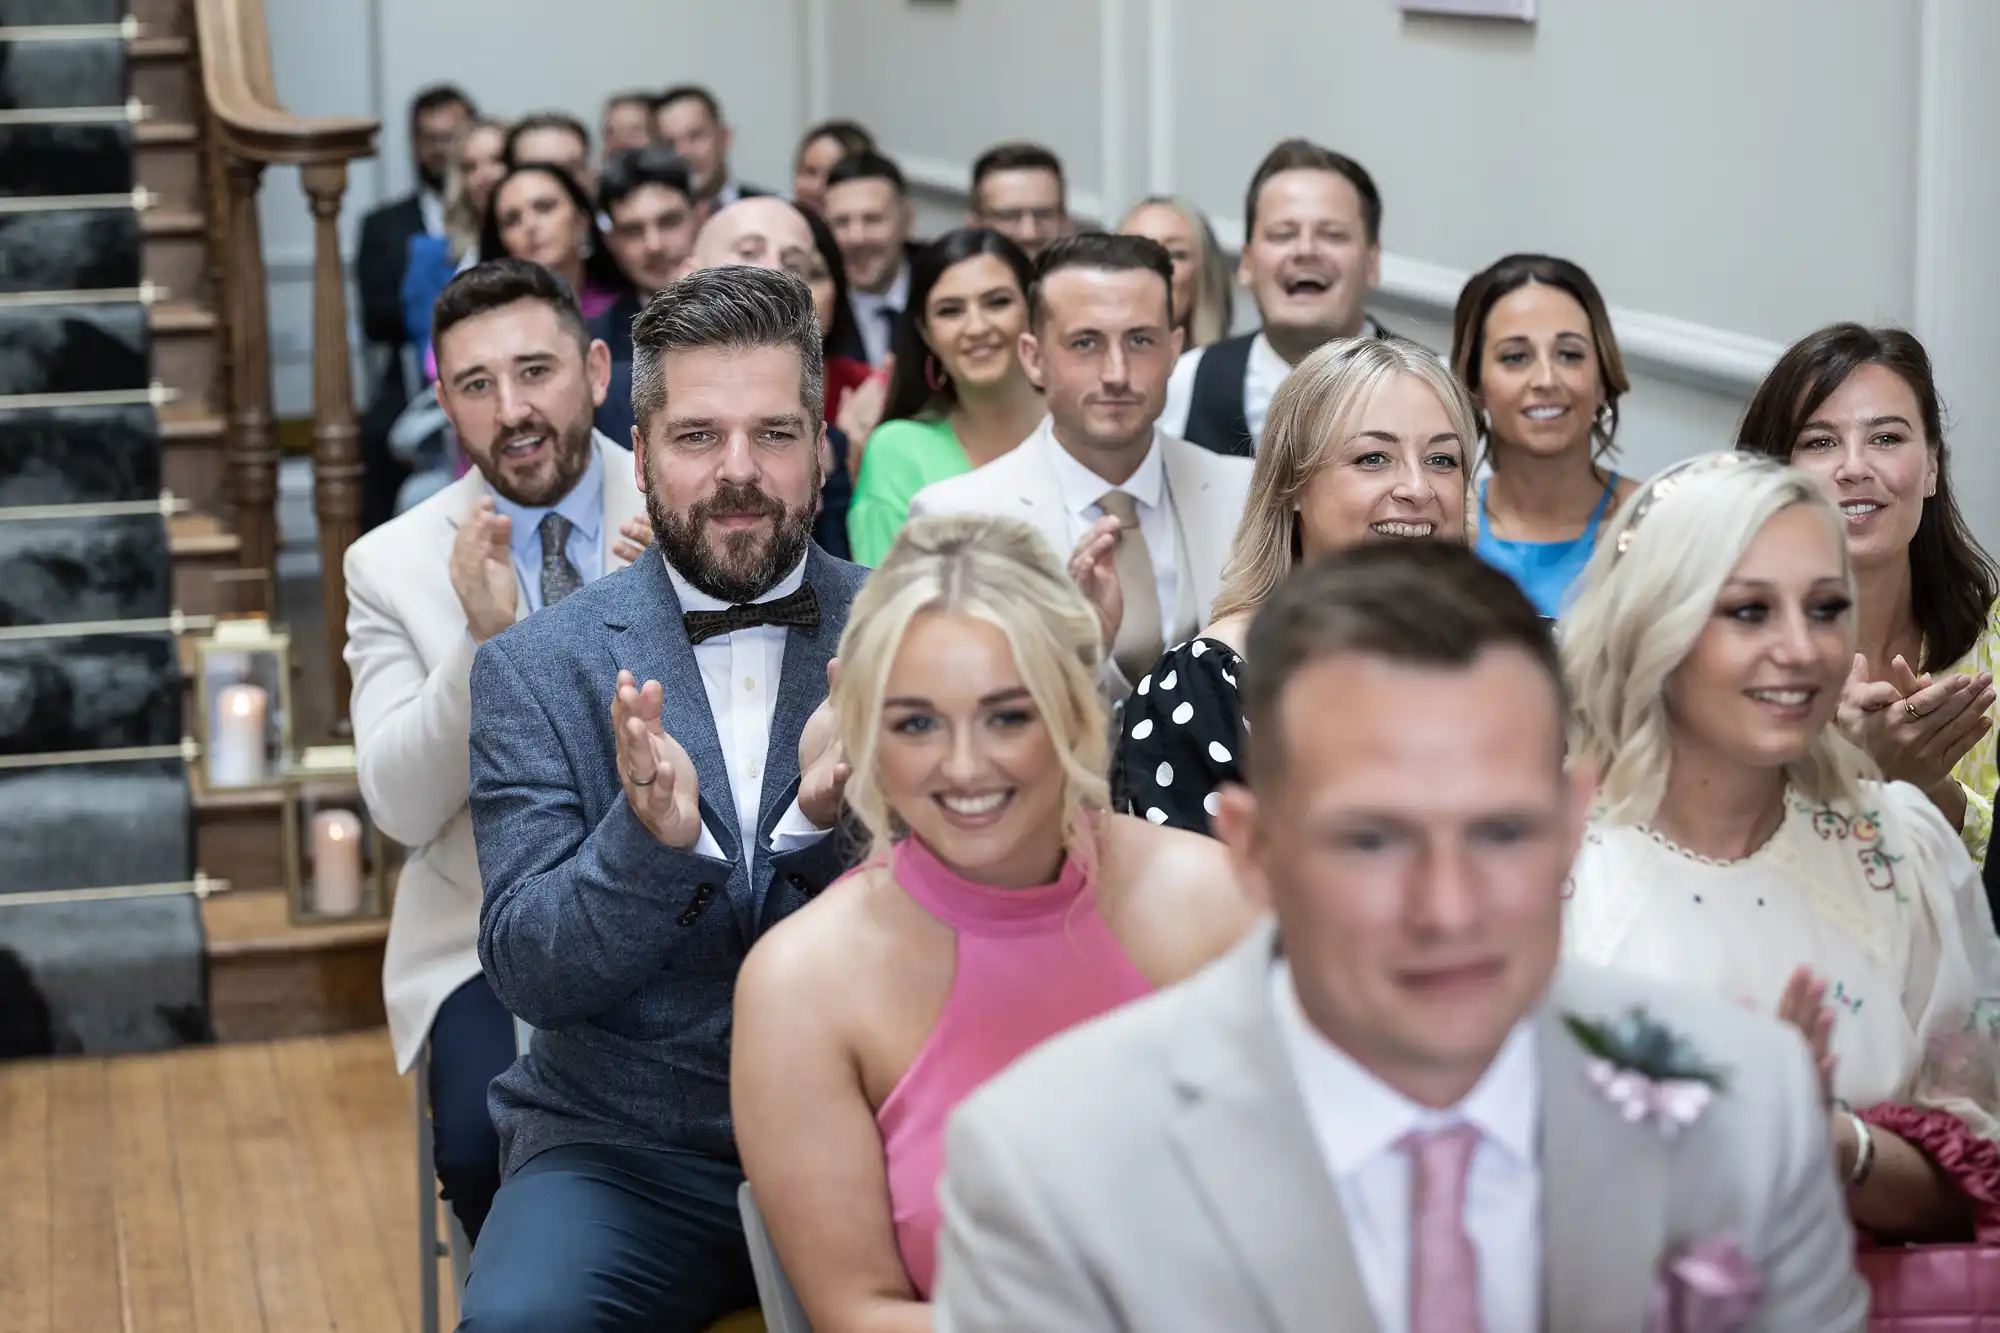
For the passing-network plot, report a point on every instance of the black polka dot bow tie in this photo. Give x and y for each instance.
(800, 610)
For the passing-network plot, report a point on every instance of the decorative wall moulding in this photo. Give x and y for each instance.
(1517, 11)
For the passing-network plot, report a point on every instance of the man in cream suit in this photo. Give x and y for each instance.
(1146, 518)
(537, 517)
(1386, 1110)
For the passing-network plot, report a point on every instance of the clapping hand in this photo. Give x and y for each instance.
(1093, 568)
(658, 777)
(482, 570)
(1803, 1005)
(861, 412)
(635, 534)
(823, 766)
(1915, 727)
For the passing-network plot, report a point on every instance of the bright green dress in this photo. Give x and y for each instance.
(902, 458)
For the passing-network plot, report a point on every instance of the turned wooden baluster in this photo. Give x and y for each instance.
(252, 450)
(336, 442)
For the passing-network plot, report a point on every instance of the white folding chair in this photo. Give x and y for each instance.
(782, 1311)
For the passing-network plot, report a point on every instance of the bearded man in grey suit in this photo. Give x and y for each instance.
(1390, 1110)
(647, 801)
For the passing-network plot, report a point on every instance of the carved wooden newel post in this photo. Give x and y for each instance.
(336, 443)
(252, 452)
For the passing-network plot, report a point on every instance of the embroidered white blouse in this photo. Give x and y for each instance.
(1883, 903)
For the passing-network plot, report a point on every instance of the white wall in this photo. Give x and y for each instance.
(1734, 175)
(369, 57)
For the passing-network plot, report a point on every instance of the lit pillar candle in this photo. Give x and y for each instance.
(336, 863)
(236, 755)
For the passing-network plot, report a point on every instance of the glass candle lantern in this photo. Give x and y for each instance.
(338, 865)
(243, 674)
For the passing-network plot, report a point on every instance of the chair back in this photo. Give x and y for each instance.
(782, 1311)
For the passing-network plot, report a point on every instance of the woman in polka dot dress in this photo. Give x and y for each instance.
(1366, 441)
(1741, 847)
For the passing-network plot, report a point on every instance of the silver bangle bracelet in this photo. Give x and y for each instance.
(1864, 1153)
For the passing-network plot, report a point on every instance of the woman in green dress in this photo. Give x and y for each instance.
(958, 398)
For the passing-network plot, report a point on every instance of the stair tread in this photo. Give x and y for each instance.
(254, 921)
(181, 422)
(158, 48)
(168, 221)
(181, 317)
(163, 132)
(199, 534)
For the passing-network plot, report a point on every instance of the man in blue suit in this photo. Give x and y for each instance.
(644, 813)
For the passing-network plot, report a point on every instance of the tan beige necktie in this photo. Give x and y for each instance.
(1139, 644)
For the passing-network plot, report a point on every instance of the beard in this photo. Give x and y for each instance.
(570, 460)
(732, 567)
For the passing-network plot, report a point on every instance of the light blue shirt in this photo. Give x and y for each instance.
(583, 507)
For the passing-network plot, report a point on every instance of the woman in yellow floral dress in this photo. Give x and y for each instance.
(1858, 410)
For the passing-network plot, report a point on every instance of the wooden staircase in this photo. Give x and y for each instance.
(201, 68)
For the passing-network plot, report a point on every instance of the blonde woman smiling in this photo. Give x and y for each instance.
(1001, 905)
(1366, 441)
(1742, 847)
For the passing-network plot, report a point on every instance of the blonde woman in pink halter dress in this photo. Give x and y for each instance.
(1001, 905)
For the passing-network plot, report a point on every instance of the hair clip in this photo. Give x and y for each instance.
(1664, 485)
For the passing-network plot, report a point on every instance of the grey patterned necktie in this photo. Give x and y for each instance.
(559, 576)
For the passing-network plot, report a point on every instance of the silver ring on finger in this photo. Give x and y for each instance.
(643, 782)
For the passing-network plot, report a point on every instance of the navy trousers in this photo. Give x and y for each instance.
(472, 1043)
(595, 1239)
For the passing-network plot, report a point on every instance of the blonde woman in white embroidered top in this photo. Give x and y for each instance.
(1741, 845)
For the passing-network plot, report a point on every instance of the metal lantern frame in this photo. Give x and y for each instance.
(324, 778)
(253, 638)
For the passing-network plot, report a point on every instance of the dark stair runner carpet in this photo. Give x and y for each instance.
(83, 974)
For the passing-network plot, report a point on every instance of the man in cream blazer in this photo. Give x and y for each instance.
(1385, 1111)
(1101, 344)
(520, 382)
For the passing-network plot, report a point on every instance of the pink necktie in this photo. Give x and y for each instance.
(1444, 1269)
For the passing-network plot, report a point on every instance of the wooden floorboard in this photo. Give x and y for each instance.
(25, 1220)
(269, 1164)
(86, 1289)
(214, 1223)
(247, 1188)
(355, 1266)
(158, 1294)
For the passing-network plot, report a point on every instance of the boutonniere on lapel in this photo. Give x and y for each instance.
(1648, 1071)
(1709, 1287)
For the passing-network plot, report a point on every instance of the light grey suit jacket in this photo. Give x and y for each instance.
(1155, 1170)
(1208, 490)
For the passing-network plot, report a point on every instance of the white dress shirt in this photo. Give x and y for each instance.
(872, 311)
(1261, 378)
(1358, 1121)
(1081, 489)
(740, 671)
(431, 205)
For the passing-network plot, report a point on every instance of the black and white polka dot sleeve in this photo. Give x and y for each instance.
(1178, 742)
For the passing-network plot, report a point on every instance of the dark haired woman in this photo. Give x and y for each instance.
(820, 149)
(1532, 342)
(958, 397)
(826, 273)
(1858, 410)
(539, 213)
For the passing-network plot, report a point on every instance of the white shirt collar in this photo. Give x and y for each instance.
(895, 298)
(1357, 1116)
(1081, 488)
(431, 205)
(694, 599)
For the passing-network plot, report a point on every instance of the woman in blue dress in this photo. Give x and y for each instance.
(1532, 342)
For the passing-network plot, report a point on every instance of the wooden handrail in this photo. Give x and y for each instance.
(249, 129)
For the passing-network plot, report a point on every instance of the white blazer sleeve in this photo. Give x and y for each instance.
(411, 725)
